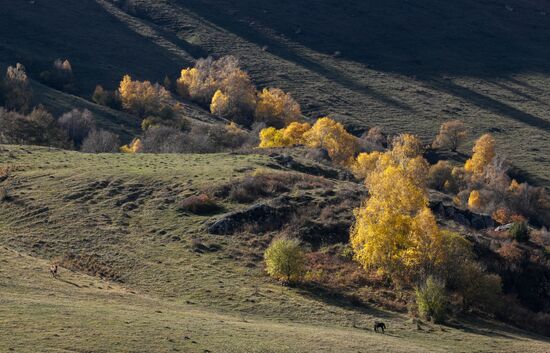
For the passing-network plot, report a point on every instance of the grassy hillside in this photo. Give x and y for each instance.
(404, 66)
(168, 285)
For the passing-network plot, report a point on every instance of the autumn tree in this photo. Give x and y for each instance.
(200, 83)
(142, 98)
(451, 135)
(17, 89)
(276, 108)
(292, 135)
(235, 99)
(407, 146)
(484, 152)
(382, 234)
(474, 200)
(333, 137)
(285, 260)
(365, 163)
(134, 147)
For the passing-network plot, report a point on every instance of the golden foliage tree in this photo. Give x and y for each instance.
(292, 135)
(407, 146)
(395, 232)
(484, 152)
(142, 98)
(365, 163)
(201, 82)
(474, 200)
(333, 137)
(276, 108)
(235, 99)
(451, 135)
(134, 147)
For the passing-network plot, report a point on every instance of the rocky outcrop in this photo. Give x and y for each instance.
(443, 206)
(269, 215)
(290, 162)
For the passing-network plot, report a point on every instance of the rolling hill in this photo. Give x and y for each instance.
(167, 285)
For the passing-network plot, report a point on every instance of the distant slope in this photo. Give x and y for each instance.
(404, 65)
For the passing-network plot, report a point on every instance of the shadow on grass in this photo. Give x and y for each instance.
(491, 104)
(67, 281)
(488, 328)
(342, 300)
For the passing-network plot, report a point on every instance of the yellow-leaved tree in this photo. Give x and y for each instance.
(276, 108)
(395, 232)
(142, 98)
(333, 137)
(484, 152)
(406, 146)
(134, 147)
(235, 99)
(365, 163)
(292, 135)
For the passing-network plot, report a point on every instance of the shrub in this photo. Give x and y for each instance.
(285, 260)
(37, 128)
(451, 135)
(4, 194)
(100, 141)
(478, 288)
(431, 299)
(107, 98)
(199, 204)
(142, 98)
(60, 76)
(276, 108)
(373, 140)
(520, 231)
(227, 137)
(164, 139)
(17, 89)
(77, 124)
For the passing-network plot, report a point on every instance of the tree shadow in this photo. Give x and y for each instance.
(342, 300)
(67, 281)
(480, 326)
(491, 104)
(286, 53)
(408, 37)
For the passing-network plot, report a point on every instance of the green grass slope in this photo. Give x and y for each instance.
(159, 293)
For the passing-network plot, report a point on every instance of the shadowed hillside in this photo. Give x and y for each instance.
(400, 65)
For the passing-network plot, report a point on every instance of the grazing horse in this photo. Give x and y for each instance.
(53, 270)
(379, 325)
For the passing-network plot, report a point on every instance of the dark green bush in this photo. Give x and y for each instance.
(519, 231)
